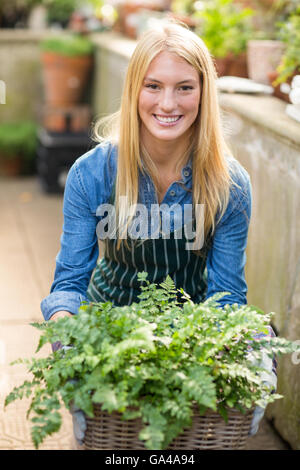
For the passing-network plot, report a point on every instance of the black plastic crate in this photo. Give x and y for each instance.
(55, 155)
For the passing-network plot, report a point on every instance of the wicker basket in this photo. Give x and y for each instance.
(108, 432)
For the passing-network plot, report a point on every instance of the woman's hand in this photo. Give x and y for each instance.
(60, 314)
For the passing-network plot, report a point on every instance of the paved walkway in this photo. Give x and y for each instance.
(30, 230)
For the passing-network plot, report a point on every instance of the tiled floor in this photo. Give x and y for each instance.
(29, 240)
(30, 230)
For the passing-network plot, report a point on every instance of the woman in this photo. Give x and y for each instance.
(164, 147)
(170, 149)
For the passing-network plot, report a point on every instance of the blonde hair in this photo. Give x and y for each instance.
(211, 178)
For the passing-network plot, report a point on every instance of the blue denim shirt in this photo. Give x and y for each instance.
(90, 182)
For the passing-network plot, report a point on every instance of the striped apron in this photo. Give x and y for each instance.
(115, 276)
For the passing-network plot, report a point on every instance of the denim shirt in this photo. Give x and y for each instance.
(90, 183)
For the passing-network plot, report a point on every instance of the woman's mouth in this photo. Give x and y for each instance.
(167, 120)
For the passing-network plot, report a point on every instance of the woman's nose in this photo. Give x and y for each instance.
(167, 101)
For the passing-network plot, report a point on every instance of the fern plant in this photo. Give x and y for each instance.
(154, 359)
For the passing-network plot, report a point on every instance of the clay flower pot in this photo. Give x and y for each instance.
(10, 166)
(235, 66)
(263, 56)
(222, 65)
(273, 75)
(239, 66)
(64, 78)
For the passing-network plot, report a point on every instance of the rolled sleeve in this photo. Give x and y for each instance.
(61, 300)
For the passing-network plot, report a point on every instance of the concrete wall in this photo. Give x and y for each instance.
(111, 60)
(267, 143)
(21, 72)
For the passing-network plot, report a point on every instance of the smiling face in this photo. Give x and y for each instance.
(169, 99)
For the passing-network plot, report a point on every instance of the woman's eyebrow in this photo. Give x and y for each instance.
(188, 80)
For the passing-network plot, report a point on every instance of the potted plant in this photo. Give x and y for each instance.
(225, 27)
(160, 361)
(289, 66)
(264, 48)
(18, 143)
(67, 60)
(263, 56)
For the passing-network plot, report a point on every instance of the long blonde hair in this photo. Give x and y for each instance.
(211, 178)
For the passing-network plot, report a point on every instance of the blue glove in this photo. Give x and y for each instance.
(79, 423)
(269, 378)
(78, 416)
(256, 419)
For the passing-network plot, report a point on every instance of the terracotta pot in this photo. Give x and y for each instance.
(64, 78)
(10, 166)
(263, 56)
(222, 65)
(277, 92)
(67, 119)
(238, 66)
(129, 15)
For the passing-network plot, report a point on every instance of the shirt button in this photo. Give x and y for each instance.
(172, 192)
(186, 173)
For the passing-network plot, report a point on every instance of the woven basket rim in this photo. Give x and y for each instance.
(108, 431)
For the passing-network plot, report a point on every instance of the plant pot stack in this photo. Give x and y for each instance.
(66, 117)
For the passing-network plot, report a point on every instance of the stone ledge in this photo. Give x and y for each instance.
(266, 111)
(26, 35)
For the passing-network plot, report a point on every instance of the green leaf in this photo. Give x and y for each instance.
(107, 397)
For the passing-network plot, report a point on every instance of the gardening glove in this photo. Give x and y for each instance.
(78, 416)
(269, 378)
(56, 346)
(79, 423)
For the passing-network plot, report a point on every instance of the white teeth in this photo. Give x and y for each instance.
(167, 119)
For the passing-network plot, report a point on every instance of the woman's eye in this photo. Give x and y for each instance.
(186, 88)
(152, 86)
(155, 86)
